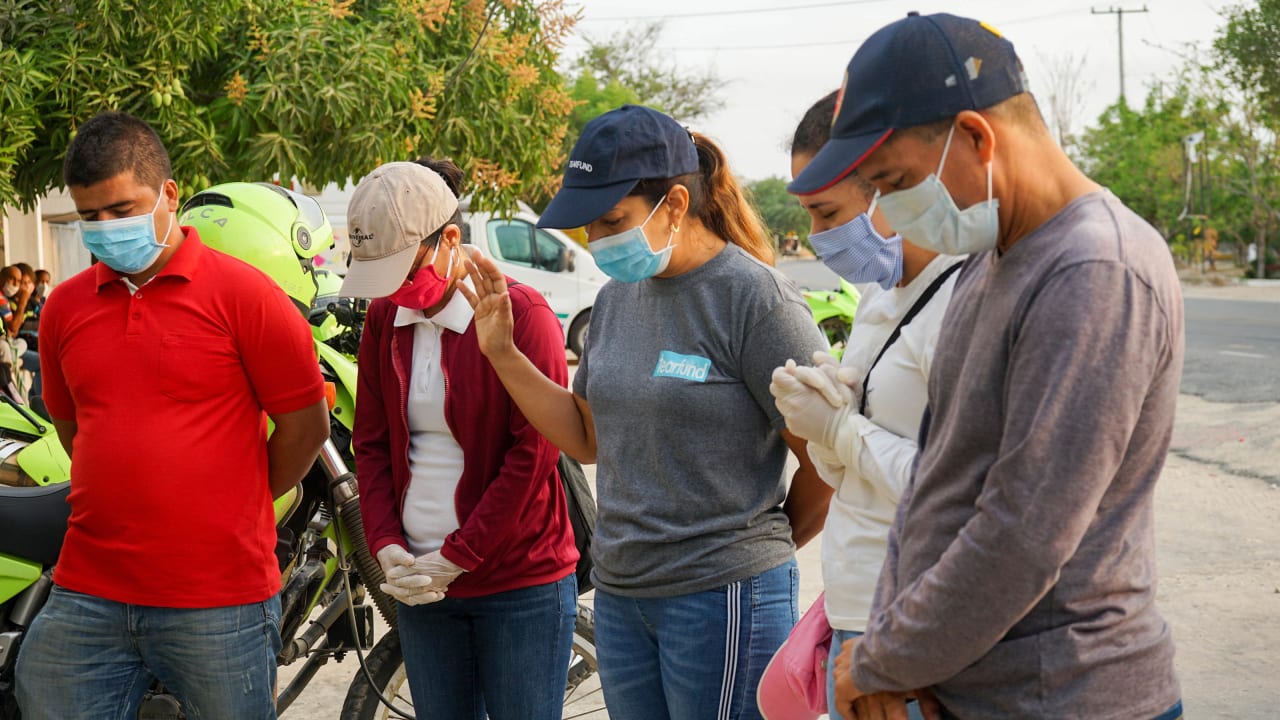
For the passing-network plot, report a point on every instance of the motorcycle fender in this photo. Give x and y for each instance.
(45, 461)
(16, 575)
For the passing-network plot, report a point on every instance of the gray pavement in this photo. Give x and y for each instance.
(1233, 350)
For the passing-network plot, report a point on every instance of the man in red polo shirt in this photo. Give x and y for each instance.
(160, 362)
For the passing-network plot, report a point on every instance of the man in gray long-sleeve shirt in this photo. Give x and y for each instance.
(1020, 578)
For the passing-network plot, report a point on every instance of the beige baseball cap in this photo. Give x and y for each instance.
(393, 209)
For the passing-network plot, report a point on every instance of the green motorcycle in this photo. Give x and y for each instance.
(833, 310)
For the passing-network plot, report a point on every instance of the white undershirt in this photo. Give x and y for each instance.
(429, 512)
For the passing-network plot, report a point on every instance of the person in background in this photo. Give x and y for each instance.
(1020, 576)
(44, 284)
(696, 533)
(864, 443)
(21, 303)
(168, 570)
(462, 503)
(17, 295)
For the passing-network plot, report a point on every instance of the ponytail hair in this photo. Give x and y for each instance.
(716, 200)
(446, 169)
(452, 176)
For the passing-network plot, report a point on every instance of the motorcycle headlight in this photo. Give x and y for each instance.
(10, 472)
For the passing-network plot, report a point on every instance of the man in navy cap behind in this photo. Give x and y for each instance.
(1020, 577)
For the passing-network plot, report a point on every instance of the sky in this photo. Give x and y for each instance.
(776, 63)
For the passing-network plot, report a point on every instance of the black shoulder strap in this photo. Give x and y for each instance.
(919, 304)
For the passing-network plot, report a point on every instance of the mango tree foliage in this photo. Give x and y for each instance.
(320, 90)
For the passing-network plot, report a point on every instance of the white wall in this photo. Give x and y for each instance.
(45, 238)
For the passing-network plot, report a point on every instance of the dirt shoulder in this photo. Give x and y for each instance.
(1218, 554)
(1265, 293)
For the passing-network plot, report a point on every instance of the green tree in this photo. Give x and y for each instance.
(1140, 155)
(322, 91)
(779, 208)
(628, 59)
(592, 99)
(1248, 47)
(1246, 51)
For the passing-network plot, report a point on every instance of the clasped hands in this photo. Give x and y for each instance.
(853, 704)
(416, 580)
(815, 400)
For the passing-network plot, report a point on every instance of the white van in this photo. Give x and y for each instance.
(546, 260)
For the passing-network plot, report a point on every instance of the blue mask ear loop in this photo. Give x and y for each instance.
(670, 236)
(163, 243)
(945, 149)
(872, 207)
(951, 133)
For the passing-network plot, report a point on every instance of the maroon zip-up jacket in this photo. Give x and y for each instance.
(515, 530)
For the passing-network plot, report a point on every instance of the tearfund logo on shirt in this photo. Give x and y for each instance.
(685, 367)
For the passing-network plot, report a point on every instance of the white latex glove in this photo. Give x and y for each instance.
(844, 378)
(395, 562)
(412, 596)
(809, 413)
(393, 556)
(831, 368)
(431, 571)
(824, 380)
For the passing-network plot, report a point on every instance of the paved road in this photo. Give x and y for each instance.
(1233, 346)
(809, 274)
(1233, 350)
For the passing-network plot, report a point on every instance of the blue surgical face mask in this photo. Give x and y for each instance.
(627, 257)
(128, 244)
(859, 254)
(927, 215)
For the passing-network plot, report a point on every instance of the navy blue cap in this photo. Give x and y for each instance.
(915, 71)
(615, 151)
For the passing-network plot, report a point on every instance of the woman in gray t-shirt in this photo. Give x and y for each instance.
(695, 539)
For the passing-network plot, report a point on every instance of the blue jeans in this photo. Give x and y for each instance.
(697, 656)
(89, 658)
(505, 654)
(838, 639)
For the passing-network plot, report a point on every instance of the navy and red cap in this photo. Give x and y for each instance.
(918, 70)
(615, 151)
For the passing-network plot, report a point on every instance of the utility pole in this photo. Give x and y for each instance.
(1119, 13)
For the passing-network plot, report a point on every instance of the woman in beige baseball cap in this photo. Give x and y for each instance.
(460, 497)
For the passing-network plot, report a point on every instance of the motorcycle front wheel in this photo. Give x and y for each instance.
(385, 663)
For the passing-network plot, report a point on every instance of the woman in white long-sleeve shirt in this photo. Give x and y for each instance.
(867, 452)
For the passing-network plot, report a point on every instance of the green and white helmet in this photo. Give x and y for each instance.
(274, 229)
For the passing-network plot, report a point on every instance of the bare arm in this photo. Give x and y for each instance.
(561, 416)
(294, 444)
(66, 430)
(809, 497)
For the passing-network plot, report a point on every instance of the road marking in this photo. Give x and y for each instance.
(1233, 353)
